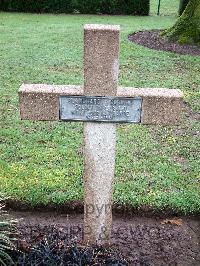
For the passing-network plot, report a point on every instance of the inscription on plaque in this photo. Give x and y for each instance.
(97, 108)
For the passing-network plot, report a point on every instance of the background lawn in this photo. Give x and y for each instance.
(42, 162)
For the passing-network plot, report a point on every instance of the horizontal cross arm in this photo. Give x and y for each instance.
(160, 106)
(41, 102)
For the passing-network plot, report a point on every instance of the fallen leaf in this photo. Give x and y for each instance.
(172, 221)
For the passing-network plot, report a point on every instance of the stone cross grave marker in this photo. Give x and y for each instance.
(100, 103)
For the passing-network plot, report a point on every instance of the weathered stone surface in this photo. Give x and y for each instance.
(41, 102)
(101, 63)
(101, 59)
(160, 106)
(99, 158)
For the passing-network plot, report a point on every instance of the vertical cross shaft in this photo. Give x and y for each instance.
(101, 61)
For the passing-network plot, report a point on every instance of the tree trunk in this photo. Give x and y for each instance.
(187, 27)
(182, 6)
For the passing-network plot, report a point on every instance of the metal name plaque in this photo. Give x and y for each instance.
(102, 109)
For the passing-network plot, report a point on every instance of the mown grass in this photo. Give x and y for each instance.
(42, 162)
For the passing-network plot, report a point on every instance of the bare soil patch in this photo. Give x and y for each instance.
(153, 40)
(138, 240)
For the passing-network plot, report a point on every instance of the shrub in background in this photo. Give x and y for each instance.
(37, 6)
(115, 7)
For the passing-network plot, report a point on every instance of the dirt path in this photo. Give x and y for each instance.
(141, 240)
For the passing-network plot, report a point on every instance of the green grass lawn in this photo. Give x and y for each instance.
(42, 162)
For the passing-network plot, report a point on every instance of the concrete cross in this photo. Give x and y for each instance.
(57, 102)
